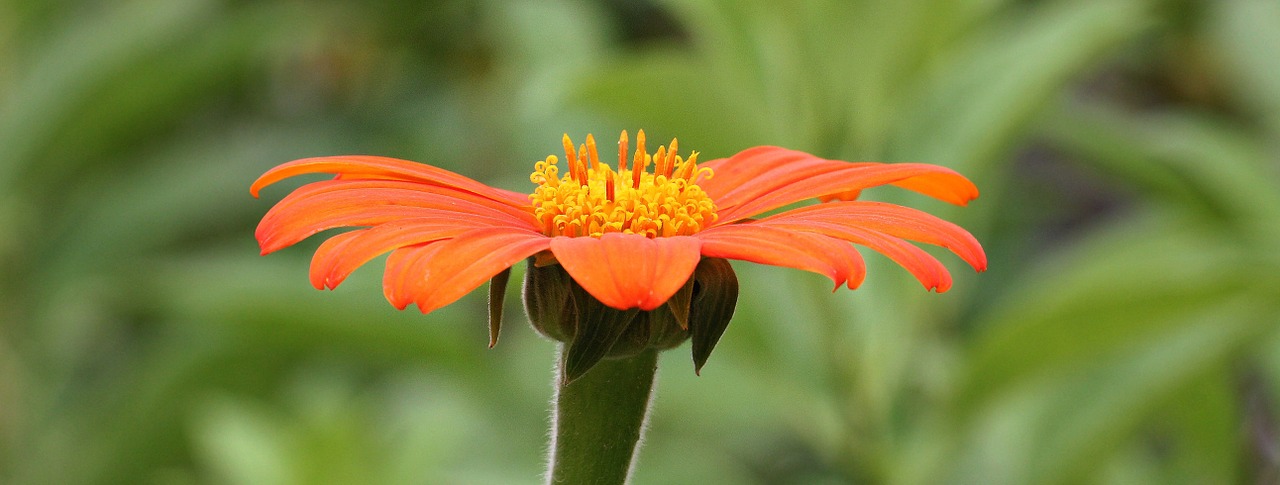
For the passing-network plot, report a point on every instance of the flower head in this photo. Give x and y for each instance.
(630, 236)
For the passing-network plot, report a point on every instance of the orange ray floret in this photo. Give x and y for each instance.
(629, 270)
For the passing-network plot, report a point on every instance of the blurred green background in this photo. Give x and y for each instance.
(1128, 152)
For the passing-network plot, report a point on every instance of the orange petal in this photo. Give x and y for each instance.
(322, 260)
(758, 170)
(370, 167)
(626, 271)
(833, 258)
(439, 273)
(403, 278)
(931, 273)
(846, 195)
(894, 220)
(764, 178)
(852, 177)
(340, 203)
(337, 257)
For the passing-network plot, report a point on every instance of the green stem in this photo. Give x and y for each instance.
(599, 418)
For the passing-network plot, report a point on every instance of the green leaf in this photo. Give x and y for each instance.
(1245, 34)
(1109, 293)
(1204, 419)
(976, 103)
(243, 444)
(1209, 166)
(65, 72)
(668, 93)
(1055, 427)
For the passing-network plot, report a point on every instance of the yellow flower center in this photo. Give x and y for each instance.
(593, 199)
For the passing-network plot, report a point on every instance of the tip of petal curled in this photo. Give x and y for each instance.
(854, 283)
(978, 260)
(257, 186)
(266, 247)
(966, 193)
(981, 261)
(272, 176)
(398, 302)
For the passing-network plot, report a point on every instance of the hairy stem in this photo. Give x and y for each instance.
(598, 420)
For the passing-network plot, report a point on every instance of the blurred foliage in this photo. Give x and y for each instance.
(1128, 152)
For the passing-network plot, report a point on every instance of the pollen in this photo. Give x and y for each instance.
(593, 198)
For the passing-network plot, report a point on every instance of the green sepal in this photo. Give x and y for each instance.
(597, 329)
(662, 328)
(656, 329)
(679, 303)
(546, 292)
(715, 296)
(497, 292)
(665, 330)
(633, 340)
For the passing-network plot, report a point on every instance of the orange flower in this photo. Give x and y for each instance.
(631, 236)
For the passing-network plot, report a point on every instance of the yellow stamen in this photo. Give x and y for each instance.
(591, 151)
(570, 156)
(593, 199)
(622, 152)
(659, 159)
(640, 151)
(639, 170)
(669, 163)
(689, 169)
(546, 172)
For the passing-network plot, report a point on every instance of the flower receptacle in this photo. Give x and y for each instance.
(559, 309)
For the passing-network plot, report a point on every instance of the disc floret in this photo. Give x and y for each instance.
(593, 198)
